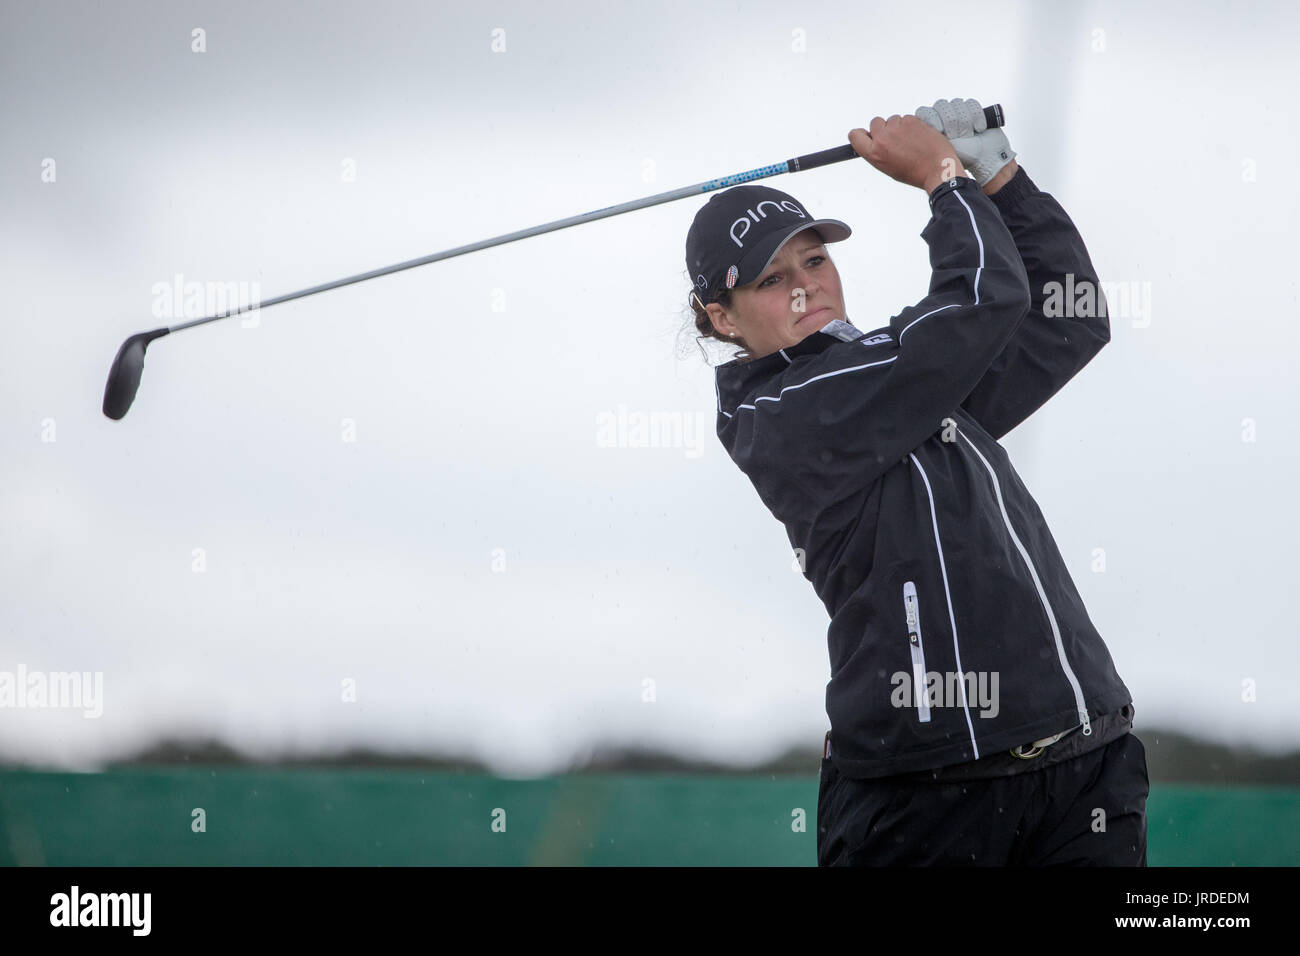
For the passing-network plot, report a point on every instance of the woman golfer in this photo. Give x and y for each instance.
(976, 715)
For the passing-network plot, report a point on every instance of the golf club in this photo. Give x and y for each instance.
(128, 366)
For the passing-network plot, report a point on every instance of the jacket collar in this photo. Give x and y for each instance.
(735, 378)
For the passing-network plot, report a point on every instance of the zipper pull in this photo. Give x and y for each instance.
(913, 619)
(1087, 724)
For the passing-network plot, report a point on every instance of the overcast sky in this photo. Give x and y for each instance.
(404, 483)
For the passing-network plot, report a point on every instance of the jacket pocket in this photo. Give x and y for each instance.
(911, 608)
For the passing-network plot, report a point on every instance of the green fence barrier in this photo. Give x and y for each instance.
(145, 816)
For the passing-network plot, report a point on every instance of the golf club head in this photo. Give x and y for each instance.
(124, 376)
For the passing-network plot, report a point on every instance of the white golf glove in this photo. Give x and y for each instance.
(984, 151)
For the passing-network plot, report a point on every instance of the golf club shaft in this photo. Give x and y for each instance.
(837, 154)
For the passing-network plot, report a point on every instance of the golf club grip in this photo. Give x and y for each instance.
(837, 154)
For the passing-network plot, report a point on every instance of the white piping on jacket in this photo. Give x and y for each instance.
(952, 620)
(838, 371)
(841, 371)
(978, 238)
(1042, 596)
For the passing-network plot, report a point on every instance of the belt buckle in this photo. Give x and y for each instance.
(1038, 746)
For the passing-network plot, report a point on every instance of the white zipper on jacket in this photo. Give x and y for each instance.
(913, 613)
(952, 618)
(1042, 595)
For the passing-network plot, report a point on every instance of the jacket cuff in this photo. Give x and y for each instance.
(952, 185)
(1016, 188)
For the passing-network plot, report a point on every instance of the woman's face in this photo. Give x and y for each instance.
(796, 295)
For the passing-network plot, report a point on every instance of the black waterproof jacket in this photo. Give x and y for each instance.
(955, 631)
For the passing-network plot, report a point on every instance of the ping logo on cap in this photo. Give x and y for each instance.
(732, 275)
(757, 215)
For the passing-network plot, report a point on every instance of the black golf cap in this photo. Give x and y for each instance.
(739, 232)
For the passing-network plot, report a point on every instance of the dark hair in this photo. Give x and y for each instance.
(704, 326)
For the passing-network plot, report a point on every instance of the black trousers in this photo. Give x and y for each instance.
(1086, 811)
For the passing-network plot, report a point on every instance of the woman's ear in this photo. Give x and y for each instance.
(721, 321)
